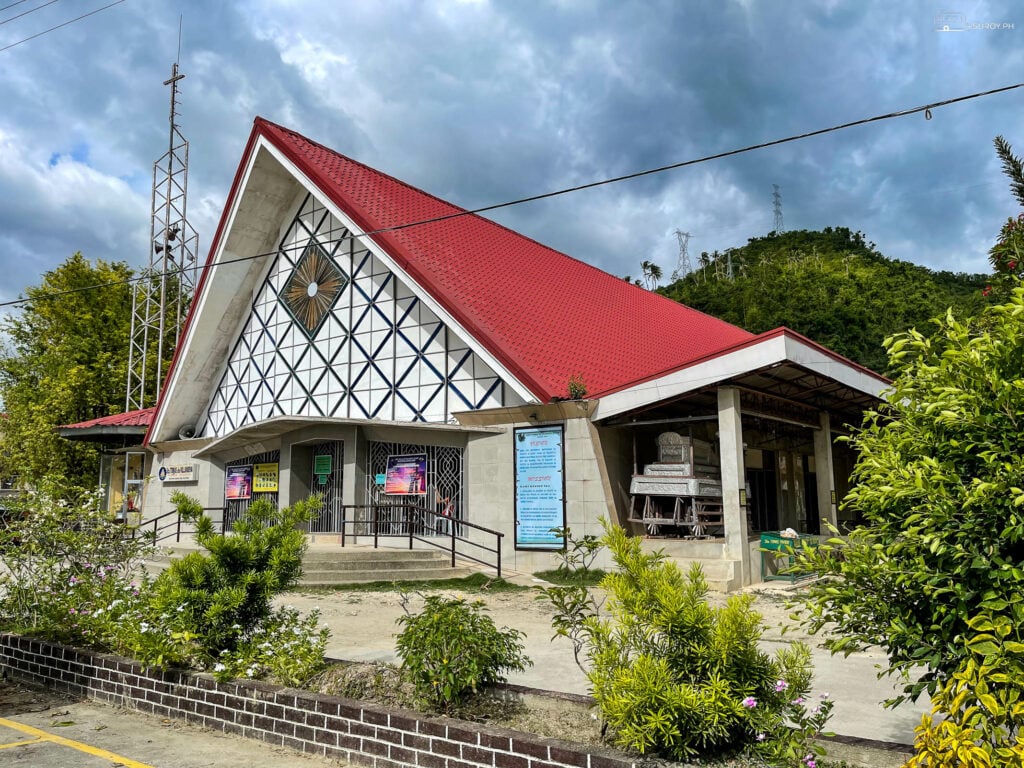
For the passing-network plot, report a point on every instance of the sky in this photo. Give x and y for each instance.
(484, 101)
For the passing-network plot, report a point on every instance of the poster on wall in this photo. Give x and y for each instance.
(238, 483)
(406, 475)
(540, 487)
(264, 478)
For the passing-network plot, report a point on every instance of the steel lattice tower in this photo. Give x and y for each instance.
(683, 267)
(162, 294)
(777, 208)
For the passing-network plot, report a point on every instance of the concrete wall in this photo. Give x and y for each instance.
(490, 476)
(207, 488)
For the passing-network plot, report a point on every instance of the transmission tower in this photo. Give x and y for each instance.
(683, 268)
(777, 207)
(162, 294)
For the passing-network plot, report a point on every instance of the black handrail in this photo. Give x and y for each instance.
(157, 528)
(413, 522)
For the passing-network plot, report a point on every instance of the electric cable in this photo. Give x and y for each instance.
(66, 23)
(32, 10)
(927, 108)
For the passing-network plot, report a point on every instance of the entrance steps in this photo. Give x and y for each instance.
(324, 565)
(721, 574)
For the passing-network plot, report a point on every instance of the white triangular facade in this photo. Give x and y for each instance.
(380, 352)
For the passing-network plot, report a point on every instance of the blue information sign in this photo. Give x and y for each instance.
(540, 497)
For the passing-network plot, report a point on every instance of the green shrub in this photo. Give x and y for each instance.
(673, 675)
(205, 604)
(286, 647)
(451, 648)
(977, 715)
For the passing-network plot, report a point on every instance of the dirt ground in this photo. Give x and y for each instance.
(363, 626)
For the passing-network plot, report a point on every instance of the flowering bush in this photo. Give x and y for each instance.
(70, 573)
(286, 646)
(1007, 259)
(785, 734)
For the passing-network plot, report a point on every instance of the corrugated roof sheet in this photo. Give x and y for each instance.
(545, 315)
(141, 418)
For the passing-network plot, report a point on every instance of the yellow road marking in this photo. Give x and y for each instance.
(87, 748)
(19, 743)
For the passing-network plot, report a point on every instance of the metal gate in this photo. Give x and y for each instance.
(332, 511)
(444, 480)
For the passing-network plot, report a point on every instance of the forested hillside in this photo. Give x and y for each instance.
(832, 286)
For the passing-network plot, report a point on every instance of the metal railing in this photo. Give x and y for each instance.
(169, 524)
(413, 522)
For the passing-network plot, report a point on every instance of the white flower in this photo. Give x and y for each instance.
(219, 667)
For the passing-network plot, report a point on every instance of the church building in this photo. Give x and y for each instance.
(354, 337)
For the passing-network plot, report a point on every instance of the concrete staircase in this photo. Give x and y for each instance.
(327, 566)
(323, 567)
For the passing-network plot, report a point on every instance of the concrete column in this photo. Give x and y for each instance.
(823, 470)
(730, 441)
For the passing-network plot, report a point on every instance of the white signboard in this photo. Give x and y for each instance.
(178, 473)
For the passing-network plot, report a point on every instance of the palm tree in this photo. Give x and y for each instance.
(652, 274)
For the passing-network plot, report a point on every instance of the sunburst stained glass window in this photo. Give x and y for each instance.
(313, 287)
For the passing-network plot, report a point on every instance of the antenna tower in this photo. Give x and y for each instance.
(683, 268)
(164, 290)
(777, 208)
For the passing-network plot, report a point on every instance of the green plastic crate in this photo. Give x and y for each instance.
(774, 541)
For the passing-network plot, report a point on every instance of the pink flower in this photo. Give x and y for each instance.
(780, 686)
(750, 702)
(798, 700)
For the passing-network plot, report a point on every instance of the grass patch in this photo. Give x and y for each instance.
(588, 578)
(478, 582)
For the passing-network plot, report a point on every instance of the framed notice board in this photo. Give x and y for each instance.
(540, 486)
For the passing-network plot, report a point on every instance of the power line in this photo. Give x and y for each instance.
(33, 10)
(19, 2)
(927, 108)
(66, 23)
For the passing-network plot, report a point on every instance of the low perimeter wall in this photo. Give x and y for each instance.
(343, 729)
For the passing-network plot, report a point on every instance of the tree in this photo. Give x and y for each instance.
(847, 296)
(940, 484)
(65, 360)
(1007, 255)
(651, 273)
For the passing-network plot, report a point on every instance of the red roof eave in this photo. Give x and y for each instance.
(758, 339)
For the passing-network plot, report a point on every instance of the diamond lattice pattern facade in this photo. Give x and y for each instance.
(334, 332)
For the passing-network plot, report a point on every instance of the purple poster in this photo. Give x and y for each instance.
(238, 483)
(406, 475)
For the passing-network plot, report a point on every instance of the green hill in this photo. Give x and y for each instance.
(831, 286)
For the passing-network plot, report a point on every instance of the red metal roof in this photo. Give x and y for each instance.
(140, 418)
(544, 315)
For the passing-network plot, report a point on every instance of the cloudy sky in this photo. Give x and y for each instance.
(481, 101)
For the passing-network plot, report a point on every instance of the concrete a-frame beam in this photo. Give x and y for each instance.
(730, 441)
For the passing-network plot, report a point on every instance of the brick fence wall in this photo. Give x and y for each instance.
(342, 729)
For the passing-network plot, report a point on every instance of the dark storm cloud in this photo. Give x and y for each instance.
(482, 102)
